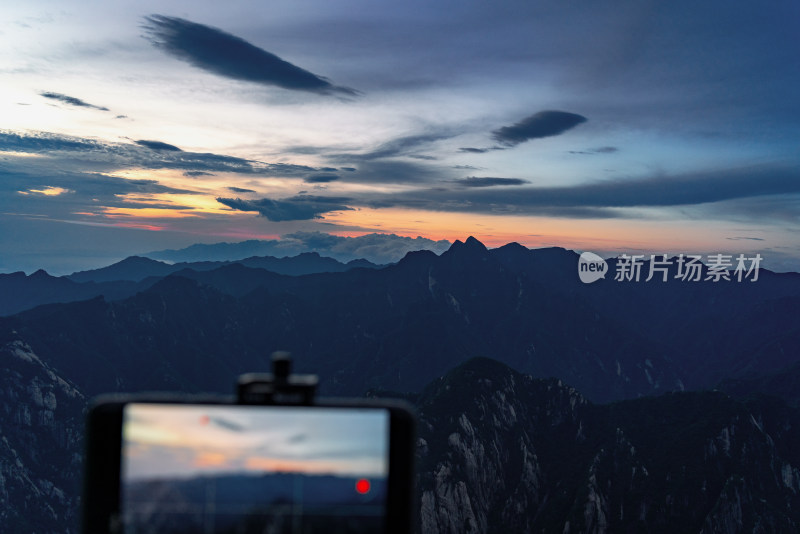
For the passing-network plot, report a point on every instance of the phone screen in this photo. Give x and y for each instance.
(242, 469)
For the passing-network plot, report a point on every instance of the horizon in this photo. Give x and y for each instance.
(348, 256)
(659, 129)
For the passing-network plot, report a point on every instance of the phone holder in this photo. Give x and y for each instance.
(279, 387)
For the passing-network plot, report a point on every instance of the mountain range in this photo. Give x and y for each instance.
(134, 274)
(545, 404)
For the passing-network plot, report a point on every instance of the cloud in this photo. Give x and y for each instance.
(44, 142)
(240, 190)
(321, 178)
(404, 145)
(157, 145)
(754, 189)
(144, 154)
(475, 181)
(542, 124)
(593, 151)
(605, 150)
(401, 146)
(744, 238)
(377, 248)
(221, 53)
(63, 194)
(473, 150)
(396, 171)
(297, 208)
(195, 174)
(71, 100)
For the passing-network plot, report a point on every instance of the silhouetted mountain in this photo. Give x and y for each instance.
(403, 325)
(376, 248)
(500, 451)
(137, 268)
(19, 292)
(134, 268)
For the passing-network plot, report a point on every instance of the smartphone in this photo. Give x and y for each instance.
(170, 466)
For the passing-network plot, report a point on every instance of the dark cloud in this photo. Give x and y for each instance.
(475, 181)
(542, 124)
(298, 208)
(783, 208)
(157, 145)
(593, 151)
(221, 53)
(708, 190)
(240, 190)
(86, 191)
(473, 150)
(349, 169)
(389, 171)
(402, 146)
(195, 174)
(321, 178)
(44, 142)
(71, 100)
(743, 238)
(112, 155)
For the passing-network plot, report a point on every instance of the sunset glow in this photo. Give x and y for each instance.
(188, 440)
(600, 149)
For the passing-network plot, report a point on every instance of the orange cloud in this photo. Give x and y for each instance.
(210, 459)
(148, 213)
(47, 191)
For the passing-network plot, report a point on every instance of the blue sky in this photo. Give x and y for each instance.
(661, 127)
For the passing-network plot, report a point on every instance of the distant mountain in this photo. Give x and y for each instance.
(376, 248)
(134, 268)
(137, 268)
(401, 326)
(20, 292)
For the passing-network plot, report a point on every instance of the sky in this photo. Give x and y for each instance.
(611, 127)
(184, 441)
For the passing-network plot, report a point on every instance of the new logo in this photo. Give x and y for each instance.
(591, 267)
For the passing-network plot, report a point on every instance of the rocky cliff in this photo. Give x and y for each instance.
(41, 425)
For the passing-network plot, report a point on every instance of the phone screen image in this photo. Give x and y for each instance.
(242, 469)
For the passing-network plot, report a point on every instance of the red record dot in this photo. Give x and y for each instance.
(362, 486)
(204, 419)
